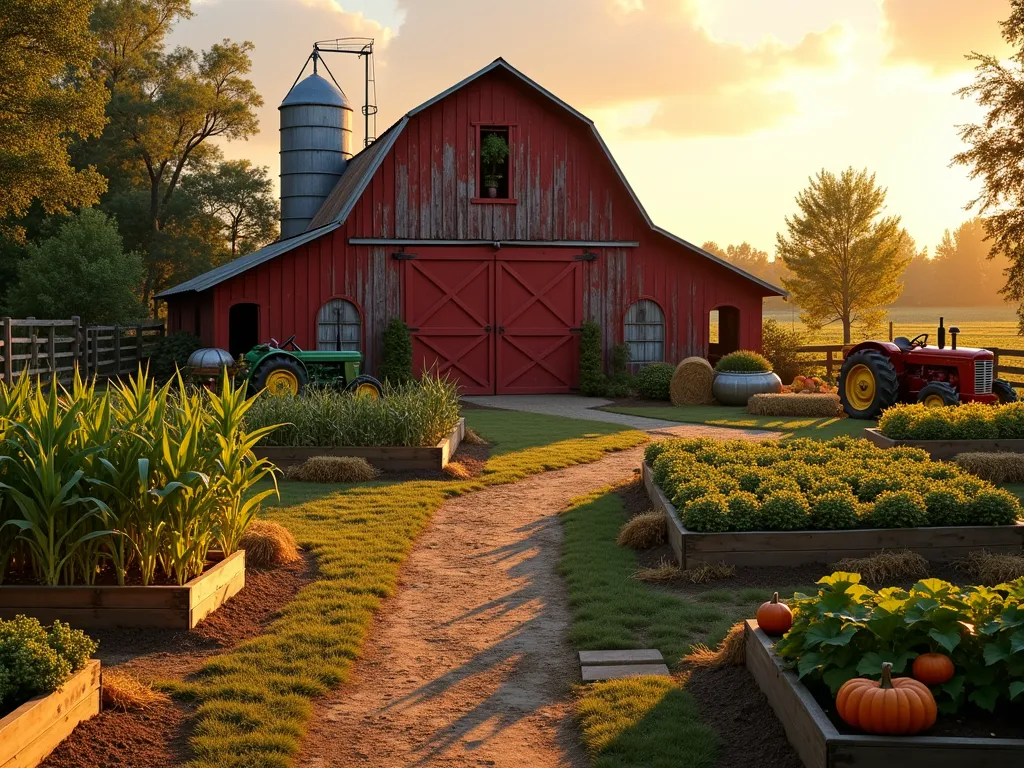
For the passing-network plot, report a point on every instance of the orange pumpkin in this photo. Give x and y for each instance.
(899, 706)
(774, 617)
(933, 668)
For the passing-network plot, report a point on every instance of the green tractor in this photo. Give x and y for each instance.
(283, 371)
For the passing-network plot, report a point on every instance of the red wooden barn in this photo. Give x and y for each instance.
(494, 288)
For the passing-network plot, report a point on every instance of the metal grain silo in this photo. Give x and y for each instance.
(316, 143)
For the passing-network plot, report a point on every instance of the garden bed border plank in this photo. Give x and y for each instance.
(793, 548)
(158, 606)
(946, 449)
(387, 457)
(820, 744)
(33, 730)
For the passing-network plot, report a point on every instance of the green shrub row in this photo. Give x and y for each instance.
(37, 660)
(813, 485)
(847, 630)
(970, 421)
(418, 413)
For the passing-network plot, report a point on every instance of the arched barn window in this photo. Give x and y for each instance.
(339, 327)
(645, 332)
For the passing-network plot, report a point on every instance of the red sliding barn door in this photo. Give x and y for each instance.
(449, 305)
(539, 304)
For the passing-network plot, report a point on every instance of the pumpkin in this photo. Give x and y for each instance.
(933, 668)
(900, 706)
(774, 617)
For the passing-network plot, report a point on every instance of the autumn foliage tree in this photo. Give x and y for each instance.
(241, 197)
(845, 257)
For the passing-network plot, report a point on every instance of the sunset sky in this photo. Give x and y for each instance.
(717, 110)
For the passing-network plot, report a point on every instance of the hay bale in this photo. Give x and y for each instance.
(268, 544)
(457, 470)
(691, 383)
(997, 468)
(732, 651)
(814, 404)
(332, 469)
(885, 566)
(126, 692)
(990, 568)
(644, 531)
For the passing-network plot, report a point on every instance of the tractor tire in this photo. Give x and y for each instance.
(366, 386)
(1002, 389)
(938, 394)
(867, 384)
(280, 375)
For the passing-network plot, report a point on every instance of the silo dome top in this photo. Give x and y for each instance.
(316, 90)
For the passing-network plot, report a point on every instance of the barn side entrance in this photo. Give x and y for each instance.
(504, 322)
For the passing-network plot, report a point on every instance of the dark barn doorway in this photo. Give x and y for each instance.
(723, 332)
(243, 328)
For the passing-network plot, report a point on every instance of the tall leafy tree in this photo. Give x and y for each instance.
(845, 256)
(45, 102)
(241, 197)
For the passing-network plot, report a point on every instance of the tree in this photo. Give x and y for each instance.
(82, 270)
(994, 154)
(846, 258)
(241, 197)
(45, 46)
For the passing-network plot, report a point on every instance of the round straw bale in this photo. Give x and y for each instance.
(267, 544)
(691, 383)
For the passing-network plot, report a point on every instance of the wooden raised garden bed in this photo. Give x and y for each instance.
(947, 449)
(820, 745)
(793, 548)
(33, 730)
(166, 607)
(387, 457)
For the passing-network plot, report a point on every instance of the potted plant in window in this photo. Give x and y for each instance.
(493, 154)
(740, 375)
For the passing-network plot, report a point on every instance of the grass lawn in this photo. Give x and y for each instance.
(253, 702)
(641, 721)
(724, 416)
(512, 431)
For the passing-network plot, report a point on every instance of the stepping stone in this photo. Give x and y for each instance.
(616, 671)
(620, 658)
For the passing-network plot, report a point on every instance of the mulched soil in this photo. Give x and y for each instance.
(158, 737)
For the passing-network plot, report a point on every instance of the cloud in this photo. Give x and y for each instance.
(938, 33)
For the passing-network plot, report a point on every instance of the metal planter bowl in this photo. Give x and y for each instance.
(731, 388)
(210, 361)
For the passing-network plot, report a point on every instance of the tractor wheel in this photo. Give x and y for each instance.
(1004, 391)
(937, 394)
(280, 376)
(366, 386)
(867, 384)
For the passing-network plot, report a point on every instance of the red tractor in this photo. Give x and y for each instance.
(878, 374)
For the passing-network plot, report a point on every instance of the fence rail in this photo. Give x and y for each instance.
(59, 347)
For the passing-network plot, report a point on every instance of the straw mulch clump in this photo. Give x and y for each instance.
(818, 405)
(126, 692)
(691, 383)
(472, 438)
(643, 531)
(731, 652)
(332, 469)
(457, 471)
(268, 544)
(886, 566)
(991, 568)
(997, 468)
(667, 572)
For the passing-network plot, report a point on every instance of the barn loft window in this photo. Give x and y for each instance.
(494, 164)
(645, 332)
(339, 326)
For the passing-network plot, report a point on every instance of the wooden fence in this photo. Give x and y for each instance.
(57, 347)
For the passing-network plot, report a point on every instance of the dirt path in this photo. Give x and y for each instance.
(469, 665)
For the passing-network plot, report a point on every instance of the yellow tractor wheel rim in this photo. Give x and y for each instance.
(934, 401)
(282, 382)
(860, 387)
(367, 390)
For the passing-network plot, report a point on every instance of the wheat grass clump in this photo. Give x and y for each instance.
(815, 404)
(267, 544)
(643, 531)
(732, 651)
(457, 470)
(886, 566)
(992, 568)
(332, 469)
(691, 383)
(997, 468)
(126, 692)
